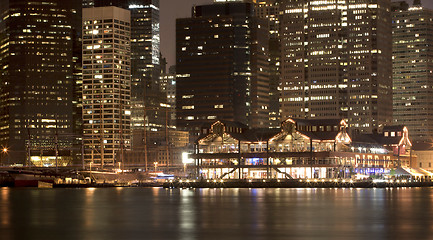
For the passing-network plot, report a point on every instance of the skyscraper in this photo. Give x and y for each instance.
(168, 86)
(270, 10)
(413, 71)
(146, 97)
(336, 61)
(77, 92)
(106, 84)
(36, 77)
(222, 66)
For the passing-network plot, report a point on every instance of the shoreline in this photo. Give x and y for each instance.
(182, 184)
(315, 183)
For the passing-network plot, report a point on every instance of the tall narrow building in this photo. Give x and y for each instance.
(106, 84)
(336, 61)
(222, 66)
(270, 10)
(413, 70)
(168, 86)
(77, 92)
(147, 101)
(36, 79)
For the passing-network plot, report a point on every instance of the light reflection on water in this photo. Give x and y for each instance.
(156, 213)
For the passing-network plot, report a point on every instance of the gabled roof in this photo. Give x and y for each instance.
(422, 146)
(320, 135)
(364, 138)
(234, 124)
(266, 134)
(241, 132)
(395, 128)
(250, 135)
(317, 122)
(381, 139)
(256, 135)
(389, 140)
(371, 140)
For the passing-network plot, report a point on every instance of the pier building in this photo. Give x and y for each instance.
(300, 148)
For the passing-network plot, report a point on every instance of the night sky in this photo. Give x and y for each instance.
(169, 11)
(172, 9)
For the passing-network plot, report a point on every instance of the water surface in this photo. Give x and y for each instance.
(157, 213)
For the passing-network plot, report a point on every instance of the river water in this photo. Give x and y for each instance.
(157, 213)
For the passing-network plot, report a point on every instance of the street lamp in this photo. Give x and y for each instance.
(156, 165)
(90, 174)
(186, 160)
(4, 151)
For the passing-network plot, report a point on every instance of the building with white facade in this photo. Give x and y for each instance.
(106, 84)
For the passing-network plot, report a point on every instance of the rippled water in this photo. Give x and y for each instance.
(157, 213)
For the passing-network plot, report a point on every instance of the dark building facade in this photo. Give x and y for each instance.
(222, 66)
(270, 10)
(36, 76)
(413, 70)
(336, 61)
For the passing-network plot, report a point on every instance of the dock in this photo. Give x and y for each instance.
(296, 183)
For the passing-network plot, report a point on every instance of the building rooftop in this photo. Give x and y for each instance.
(391, 136)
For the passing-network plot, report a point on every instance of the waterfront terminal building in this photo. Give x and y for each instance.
(299, 149)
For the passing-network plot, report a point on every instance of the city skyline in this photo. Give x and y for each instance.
(223, 70)
(172, 9)
(210, 119)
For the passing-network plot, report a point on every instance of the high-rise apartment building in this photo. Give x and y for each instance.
(222, 66)
(106, 84)
(336, 61)
(413, 70)
(147, 101)
(77, 94)
(36, 79)
(168, 86)
(270, 10)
